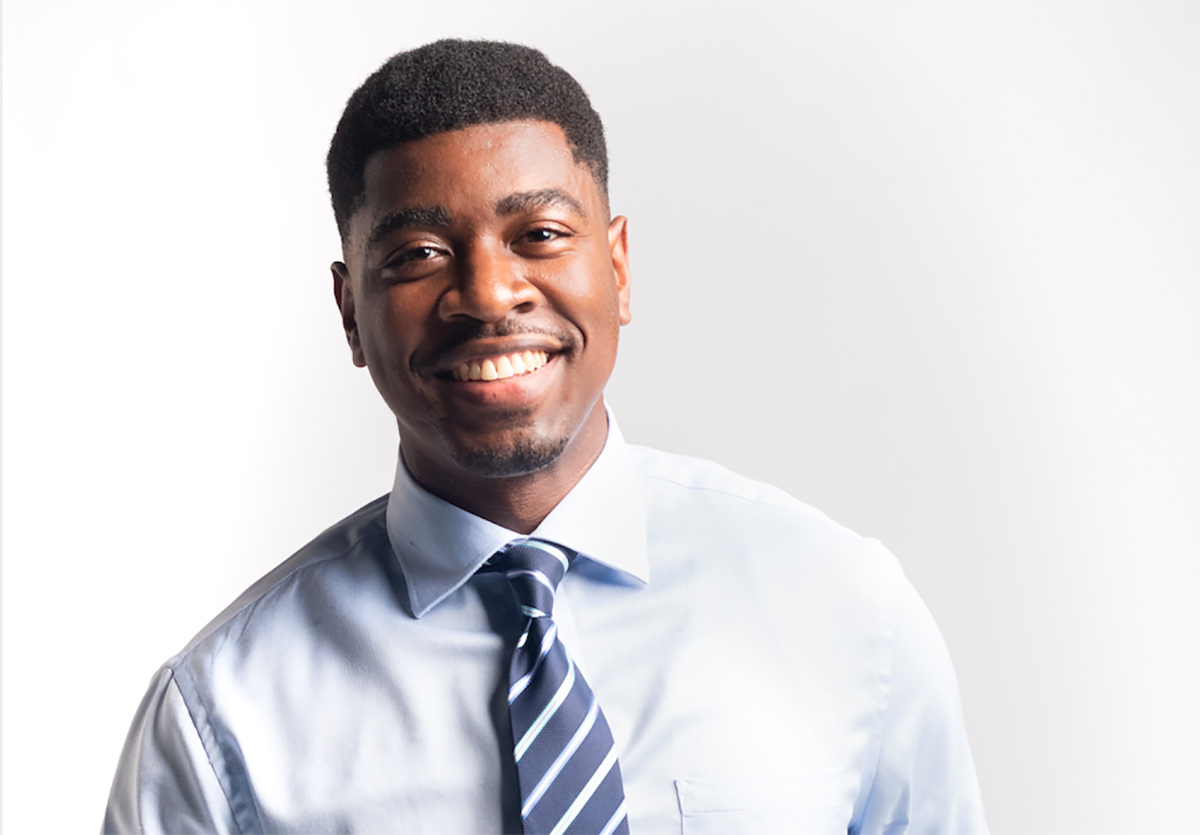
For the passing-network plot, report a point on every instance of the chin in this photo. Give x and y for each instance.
(520, 456)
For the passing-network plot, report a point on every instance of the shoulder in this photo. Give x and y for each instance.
(756, 545)
(337, 551)
(668, 470)
(708, 494)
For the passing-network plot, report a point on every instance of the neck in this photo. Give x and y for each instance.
(520, 502)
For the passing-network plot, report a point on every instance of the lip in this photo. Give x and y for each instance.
(480, 349)
(518, 391)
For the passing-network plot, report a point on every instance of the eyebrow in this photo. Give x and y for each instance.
(406, 218)
(523, 201)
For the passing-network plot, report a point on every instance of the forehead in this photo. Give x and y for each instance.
(473, 168)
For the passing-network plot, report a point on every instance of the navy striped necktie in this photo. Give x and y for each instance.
(566, 762)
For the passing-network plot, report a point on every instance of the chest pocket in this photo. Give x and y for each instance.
(806, 804)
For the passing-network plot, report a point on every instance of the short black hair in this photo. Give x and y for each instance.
(452, 84)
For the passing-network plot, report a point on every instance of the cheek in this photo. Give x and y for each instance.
(605, 314)
(596, 313)
(398, 315)
(389, 334)
(590, 297)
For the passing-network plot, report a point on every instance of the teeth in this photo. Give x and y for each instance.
(502, 367)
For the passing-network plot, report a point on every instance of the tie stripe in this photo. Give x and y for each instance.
(557, 767)
(547, 713)
(566, 761)
(605, 769)
(520, 684)
(618, 817)
(548, 548)
(536, 575)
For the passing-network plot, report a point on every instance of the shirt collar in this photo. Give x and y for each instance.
(439, 545)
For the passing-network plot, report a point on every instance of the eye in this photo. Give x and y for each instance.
(542, 235)
(416, 253)
(543, 239)
(413, 261)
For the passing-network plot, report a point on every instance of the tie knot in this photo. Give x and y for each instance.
(534, 569)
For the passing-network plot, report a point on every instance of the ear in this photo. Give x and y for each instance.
(618, 245)
(343, 291)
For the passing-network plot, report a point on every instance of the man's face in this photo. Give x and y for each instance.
(484, 288)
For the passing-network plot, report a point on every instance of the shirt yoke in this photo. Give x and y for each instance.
(333, 543)
(701, 474)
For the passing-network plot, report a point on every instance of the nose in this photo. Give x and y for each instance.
(489, 284)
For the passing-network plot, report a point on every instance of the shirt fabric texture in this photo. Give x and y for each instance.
(762, 669)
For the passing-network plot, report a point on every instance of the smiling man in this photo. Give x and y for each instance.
(483, 287)
(540, 628)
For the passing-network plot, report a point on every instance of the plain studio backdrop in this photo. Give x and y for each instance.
(929, 267)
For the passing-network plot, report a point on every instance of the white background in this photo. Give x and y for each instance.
(930, 267)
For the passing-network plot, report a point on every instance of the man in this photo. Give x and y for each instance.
(540, 628)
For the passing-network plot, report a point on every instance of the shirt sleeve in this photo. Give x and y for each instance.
(165, 782)
(924, 779)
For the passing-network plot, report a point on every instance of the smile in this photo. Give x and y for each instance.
(501, 367)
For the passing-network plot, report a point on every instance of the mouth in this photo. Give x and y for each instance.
(499, 367)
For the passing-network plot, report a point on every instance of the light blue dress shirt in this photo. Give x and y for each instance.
(762, 668)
